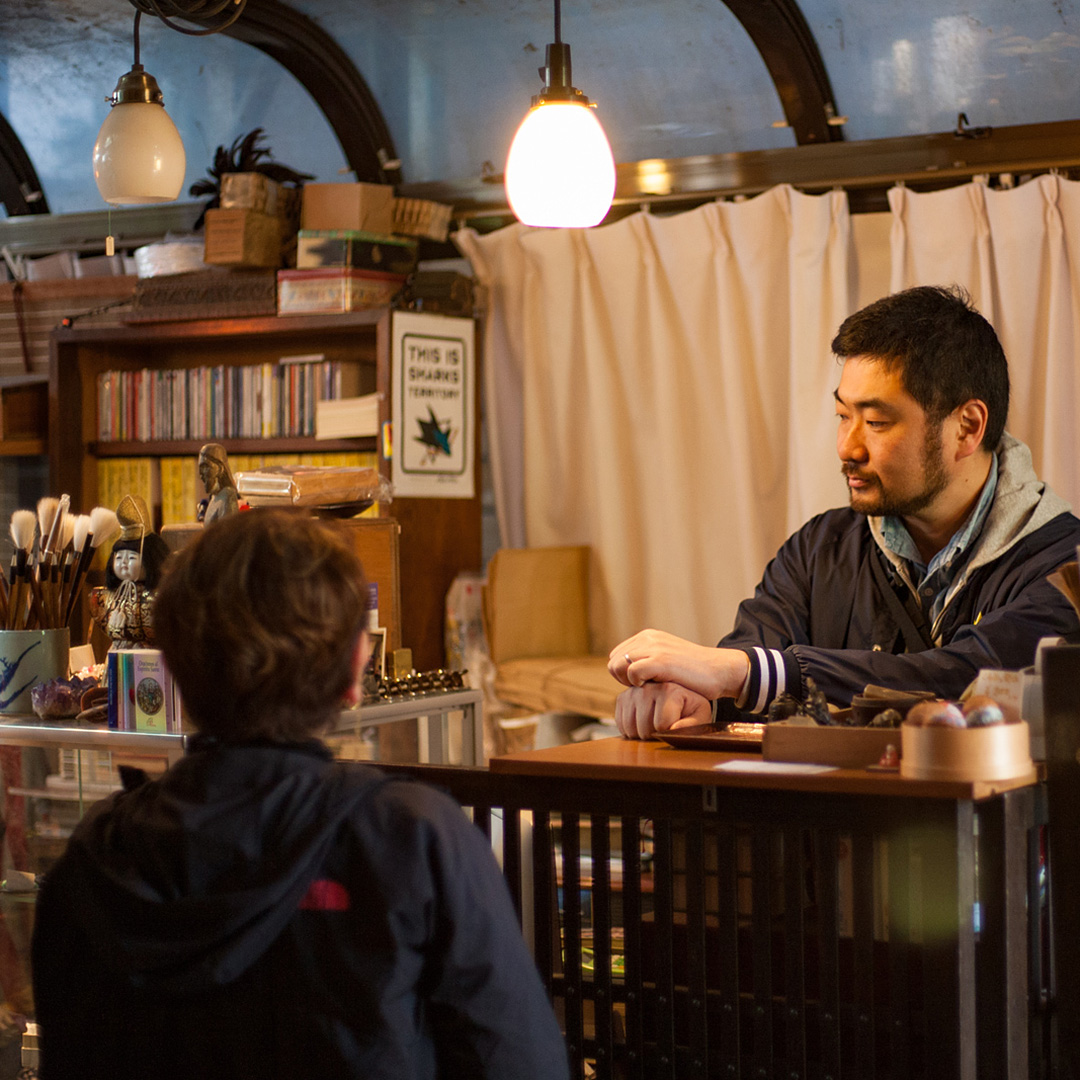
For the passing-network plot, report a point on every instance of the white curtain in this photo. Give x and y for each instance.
(675, 384)
(1018, 253)
(660, 388)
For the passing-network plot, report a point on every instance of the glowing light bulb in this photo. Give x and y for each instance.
(560, 172)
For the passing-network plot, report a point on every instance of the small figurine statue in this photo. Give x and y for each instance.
(217, 479)
(123, 607)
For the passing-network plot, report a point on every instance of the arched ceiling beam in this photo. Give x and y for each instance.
(327, 73)
(20, 189)
(779, 31)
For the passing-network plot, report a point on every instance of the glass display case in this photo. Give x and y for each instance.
(54, 771)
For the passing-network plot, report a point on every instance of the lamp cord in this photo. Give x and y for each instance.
(558, 22)
(138, 16)
(215, 14)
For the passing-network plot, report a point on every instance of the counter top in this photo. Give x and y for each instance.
(656, 762)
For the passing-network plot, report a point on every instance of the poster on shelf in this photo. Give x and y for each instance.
(432, 371)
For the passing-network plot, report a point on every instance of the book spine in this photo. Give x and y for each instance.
(112, 681)
(126, 695)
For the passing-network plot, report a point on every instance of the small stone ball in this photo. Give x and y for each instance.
(948, 715)
(984, 716)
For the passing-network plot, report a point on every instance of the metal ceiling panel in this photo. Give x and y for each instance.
(908, 67)
(673, 79)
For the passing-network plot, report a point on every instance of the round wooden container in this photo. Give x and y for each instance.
(1001, 752)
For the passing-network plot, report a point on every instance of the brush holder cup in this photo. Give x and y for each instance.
(29, 657)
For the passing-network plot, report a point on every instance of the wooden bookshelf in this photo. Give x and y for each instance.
(439, 537)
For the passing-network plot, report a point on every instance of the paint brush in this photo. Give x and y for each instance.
(51, 513)
(80, 541)
(103, 528)
(64, 558)
(23, 523)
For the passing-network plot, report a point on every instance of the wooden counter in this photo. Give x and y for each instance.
(694, 922)
(630, 759)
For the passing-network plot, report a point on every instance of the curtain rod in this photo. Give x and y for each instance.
(918, 161)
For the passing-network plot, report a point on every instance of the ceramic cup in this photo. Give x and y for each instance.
(29, 657)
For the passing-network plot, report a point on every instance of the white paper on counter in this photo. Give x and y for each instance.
(788, 768)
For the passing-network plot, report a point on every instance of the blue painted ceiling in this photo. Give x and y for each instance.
(672, 78)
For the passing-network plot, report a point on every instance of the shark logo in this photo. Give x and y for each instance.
(8, 670)
(434, 436)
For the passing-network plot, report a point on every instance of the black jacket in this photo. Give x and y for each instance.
(821, 610)
(264, 911)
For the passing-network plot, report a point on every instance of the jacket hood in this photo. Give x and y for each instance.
(184, 882)
(1022, 505)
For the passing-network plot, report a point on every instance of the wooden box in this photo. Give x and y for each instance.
(242, 238)
(376, 542)
(845, 747)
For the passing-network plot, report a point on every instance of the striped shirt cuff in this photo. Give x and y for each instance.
(768, 679)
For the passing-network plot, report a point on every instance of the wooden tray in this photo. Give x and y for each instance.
(744, 739)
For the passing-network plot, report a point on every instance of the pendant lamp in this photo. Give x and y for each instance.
(560, 172)
(138, 156)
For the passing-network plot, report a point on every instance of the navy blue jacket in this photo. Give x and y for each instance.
(263, 911)
(820, 606)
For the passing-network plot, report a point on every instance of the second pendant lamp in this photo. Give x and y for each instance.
(560, 172)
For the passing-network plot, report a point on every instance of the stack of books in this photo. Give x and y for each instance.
(142, 693)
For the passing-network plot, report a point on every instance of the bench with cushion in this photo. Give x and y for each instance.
(536, 616)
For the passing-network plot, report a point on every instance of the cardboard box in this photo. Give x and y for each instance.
(250, 191)
(845, 747)
(357, 207)
(354, 250)
(306, 292)
(242, 238)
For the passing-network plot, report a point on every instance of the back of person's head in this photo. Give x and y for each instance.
(946, 351)
(259, 620)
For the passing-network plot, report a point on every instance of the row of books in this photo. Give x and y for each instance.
(256, 401)
(142, 692)
(173, 484)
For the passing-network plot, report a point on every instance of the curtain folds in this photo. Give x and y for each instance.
(661, 388)
(676, 375)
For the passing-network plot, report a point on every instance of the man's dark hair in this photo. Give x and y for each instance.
(946, 351)
(259, 619)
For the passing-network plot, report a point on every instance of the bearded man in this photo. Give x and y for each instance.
(938, 567)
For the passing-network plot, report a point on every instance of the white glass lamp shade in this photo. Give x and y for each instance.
(560, 172)
(139, 156)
